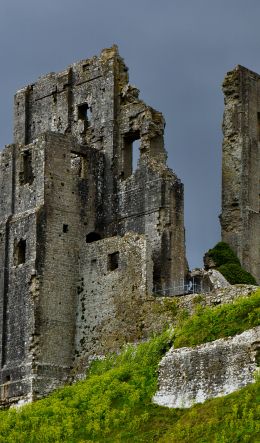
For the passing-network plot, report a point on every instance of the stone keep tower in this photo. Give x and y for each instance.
(240, 218)
(83, 237)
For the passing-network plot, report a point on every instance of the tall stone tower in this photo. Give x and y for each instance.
(84, 236)
(240, 218)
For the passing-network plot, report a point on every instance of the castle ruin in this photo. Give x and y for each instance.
(240, 218)
(84, 237)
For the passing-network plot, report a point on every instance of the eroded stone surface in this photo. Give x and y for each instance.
(217, 297)
(193, 375)
(69, 200)
(240, 217)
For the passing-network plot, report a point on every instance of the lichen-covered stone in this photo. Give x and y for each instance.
(193, 375)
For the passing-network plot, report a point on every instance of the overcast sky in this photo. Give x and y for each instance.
(177, 51)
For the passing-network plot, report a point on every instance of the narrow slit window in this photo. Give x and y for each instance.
(20, 252)
(113, 261)
(65, 228)
(26, 172)
(131, 153)
(136, 154)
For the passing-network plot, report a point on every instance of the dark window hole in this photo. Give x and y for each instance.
(26, 172)
(92, 236)
(113, 261)
(84, 112)
(20, 252)
(65, 228)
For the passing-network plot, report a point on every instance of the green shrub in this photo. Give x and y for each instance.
(228, 264)
(222, 254)
(235, 274)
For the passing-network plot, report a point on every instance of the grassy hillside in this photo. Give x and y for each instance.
(114, 404)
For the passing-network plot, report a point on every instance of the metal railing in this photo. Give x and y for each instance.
(181, 287)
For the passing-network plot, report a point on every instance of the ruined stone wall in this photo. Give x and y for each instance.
(240, 218)
(69, 199)
(93, 102)
(114, 285)
(18, 255)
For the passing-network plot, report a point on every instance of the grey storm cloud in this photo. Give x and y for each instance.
(178, 52)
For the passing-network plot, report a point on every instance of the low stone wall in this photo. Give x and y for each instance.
(193, 375)
(216, 297)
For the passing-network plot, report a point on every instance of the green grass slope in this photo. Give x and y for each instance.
(114, 404)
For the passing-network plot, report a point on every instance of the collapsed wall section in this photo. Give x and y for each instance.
(240, 218)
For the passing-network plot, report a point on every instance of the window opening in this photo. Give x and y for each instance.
(113, 260)
(131, 153)
(85, 112)
(93, 263)
(136, 154)
(20, 252)
(92, 236)
(65, 228)
(26, 172)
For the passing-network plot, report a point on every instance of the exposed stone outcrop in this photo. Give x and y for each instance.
(193, 375)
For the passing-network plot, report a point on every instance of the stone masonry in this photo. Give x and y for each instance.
(83, 236)
(193, 375)
(240, 218)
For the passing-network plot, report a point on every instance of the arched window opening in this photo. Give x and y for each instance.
(20, 252)
(92, 236)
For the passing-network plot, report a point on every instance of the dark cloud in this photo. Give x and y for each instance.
(178, 52)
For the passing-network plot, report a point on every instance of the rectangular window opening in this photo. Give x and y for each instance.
(65, 228)
(85, 113)
(113, 261)
(26, 172)
(20, 252)
(131, 153)
(93, 263)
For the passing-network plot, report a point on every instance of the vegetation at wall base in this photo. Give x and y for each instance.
(209, 324)
(235, 274)
(114, 404)
(229, 265)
